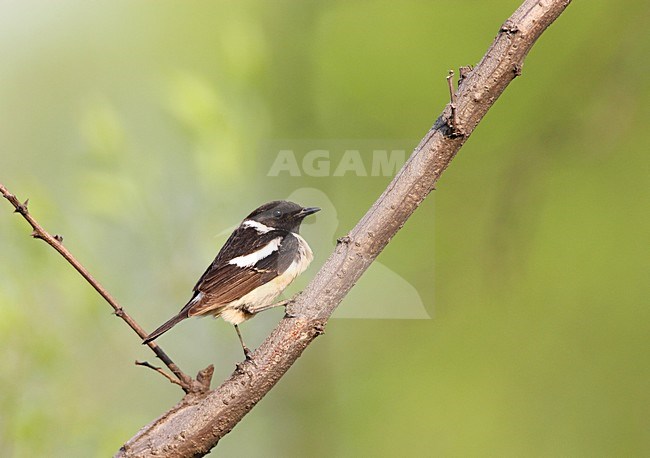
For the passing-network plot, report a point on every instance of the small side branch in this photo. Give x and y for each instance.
(56, 242)
(159, 370)
(453, 118)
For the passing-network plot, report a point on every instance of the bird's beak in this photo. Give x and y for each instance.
(308, 211)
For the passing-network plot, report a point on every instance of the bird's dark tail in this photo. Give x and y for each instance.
(165, 327)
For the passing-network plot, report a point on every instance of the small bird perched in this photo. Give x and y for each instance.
(258, 261)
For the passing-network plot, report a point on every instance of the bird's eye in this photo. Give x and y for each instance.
(277, 213)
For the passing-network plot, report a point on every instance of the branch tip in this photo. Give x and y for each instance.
(450, 83)
(204, 377)
(161, 372)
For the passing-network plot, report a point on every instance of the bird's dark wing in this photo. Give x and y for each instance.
(223, 282)
(244, 240)
(228, 284)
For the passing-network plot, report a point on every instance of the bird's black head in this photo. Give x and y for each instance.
(281, 214)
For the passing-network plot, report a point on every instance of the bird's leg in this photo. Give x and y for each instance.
(247, 352)
(262, 308)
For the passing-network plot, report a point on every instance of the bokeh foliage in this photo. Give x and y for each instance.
(141, 132)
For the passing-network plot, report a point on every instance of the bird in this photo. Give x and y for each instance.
(262, 256)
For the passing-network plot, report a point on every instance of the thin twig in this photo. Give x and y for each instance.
(159, 370)
(56, 242)
(453, 119)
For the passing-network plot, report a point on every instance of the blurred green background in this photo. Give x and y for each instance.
(144, 131)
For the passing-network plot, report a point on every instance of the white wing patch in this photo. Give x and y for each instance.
(259, 227)
(253, 258)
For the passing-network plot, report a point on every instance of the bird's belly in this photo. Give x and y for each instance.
(235, 316)
(237, 311)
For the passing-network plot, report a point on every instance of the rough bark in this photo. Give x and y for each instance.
(200, 420)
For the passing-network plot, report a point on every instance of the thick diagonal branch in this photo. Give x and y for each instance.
(205, 419)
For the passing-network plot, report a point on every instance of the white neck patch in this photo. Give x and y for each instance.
(259, 227)
(253, 258)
